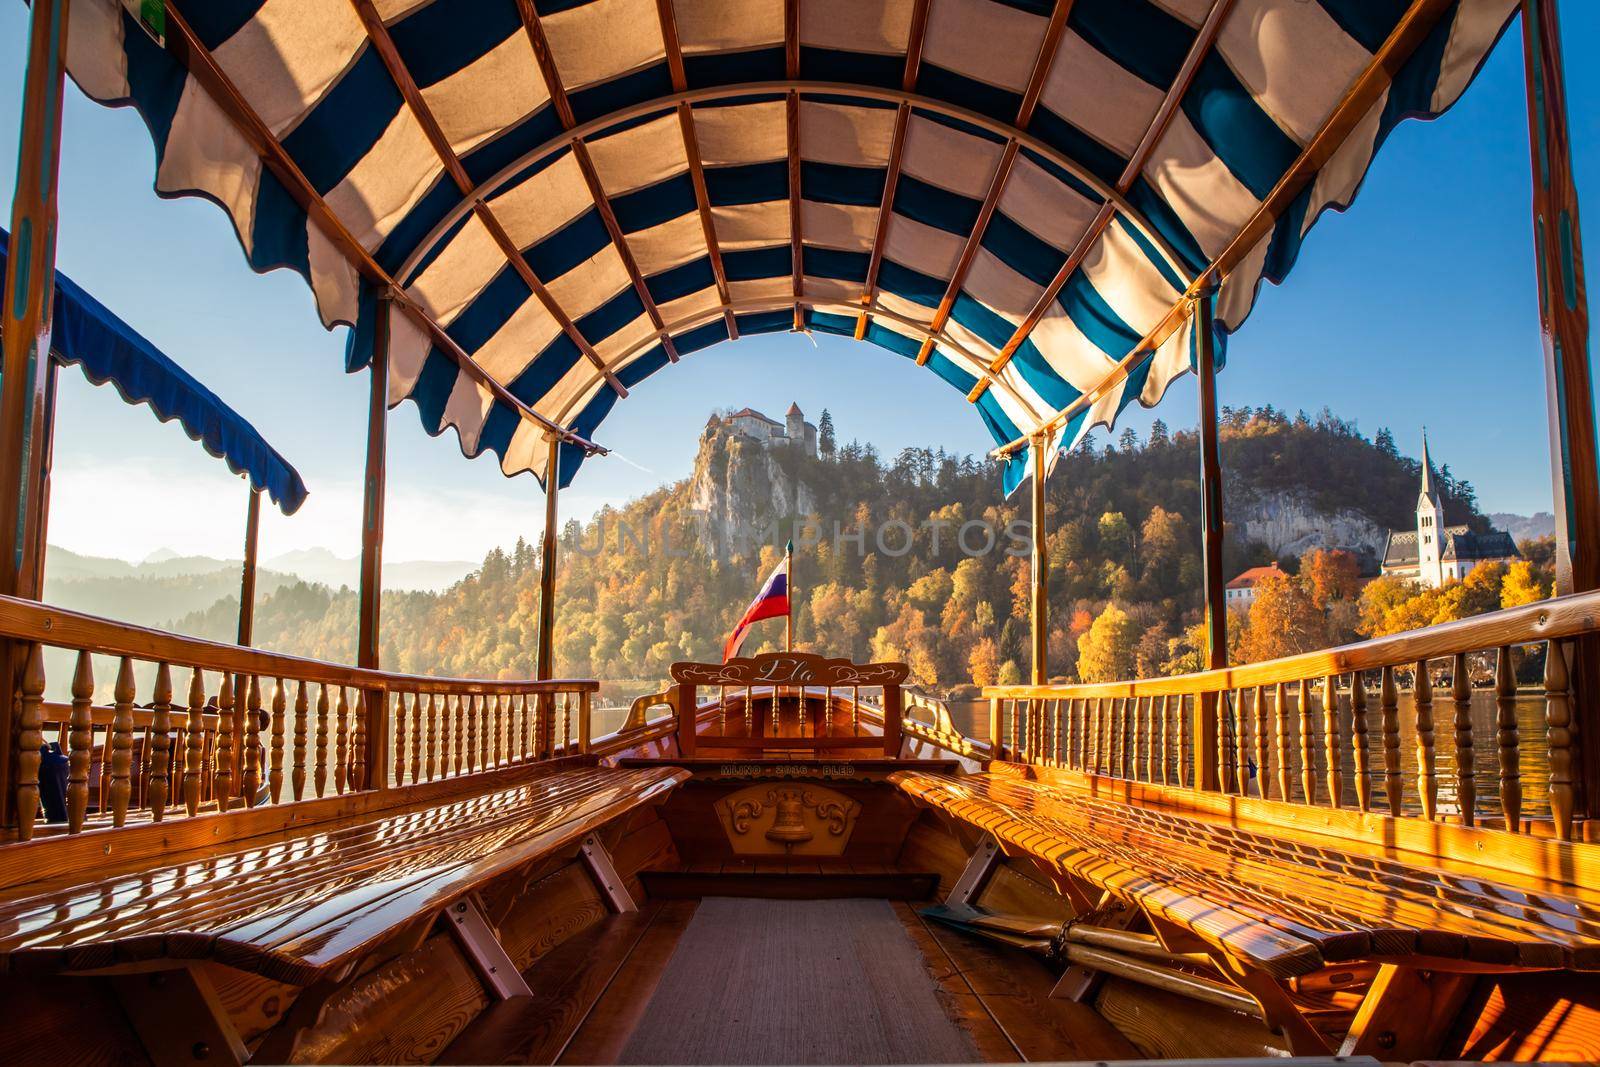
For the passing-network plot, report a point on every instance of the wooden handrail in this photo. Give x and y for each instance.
(1566, 616)
(223, 727)
(30, 620)
(1286, 728)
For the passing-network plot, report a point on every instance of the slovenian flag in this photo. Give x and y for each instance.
(771, 603)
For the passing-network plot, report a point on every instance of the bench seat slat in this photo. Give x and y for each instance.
(145, 903)
(304, 905)
(1448, 920)
(1343, 905)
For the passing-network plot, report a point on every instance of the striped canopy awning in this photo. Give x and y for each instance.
(549, 200)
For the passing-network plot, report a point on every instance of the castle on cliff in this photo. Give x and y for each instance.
(794, 430)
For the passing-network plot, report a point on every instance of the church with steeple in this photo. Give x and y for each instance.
(1434, 554)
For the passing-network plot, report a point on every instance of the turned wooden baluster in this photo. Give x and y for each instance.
(1280, 704)
(566, 724)
(302, 715)
(433, 736)
(1185, 743)
(1427, 779)
(1016, 741)
(1358, 724)
(1263, 774)
(1558, 728)
(1165, 750)
(80, 742)
(416, 738)
(1145, 711)
(195, 744)
(1505, 706)
(477, 733)
(222, 777)
(458, 750)
(400, 739)
(499, 717)
(1389, 715)
(1461, 697)
(159, 747)
(280, 708)
(1241, 755)
(121, 742)
(1330, 740)
(1071, 753)
(250, 779)
(319, 777)
(30, 737)
(369, 704)
(1308, 744)
(341, 741)
(1224, 765)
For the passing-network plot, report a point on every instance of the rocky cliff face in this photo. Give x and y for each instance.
(1289, 525)
(738, 489)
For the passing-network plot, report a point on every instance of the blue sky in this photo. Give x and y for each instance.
(1415, 307)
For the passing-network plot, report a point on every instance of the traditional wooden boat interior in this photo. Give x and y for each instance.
(217, 853)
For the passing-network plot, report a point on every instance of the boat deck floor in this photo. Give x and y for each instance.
(754, 981)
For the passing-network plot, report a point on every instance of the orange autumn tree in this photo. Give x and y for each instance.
(1284, 619)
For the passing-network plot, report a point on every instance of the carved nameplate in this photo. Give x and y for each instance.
(790, 668)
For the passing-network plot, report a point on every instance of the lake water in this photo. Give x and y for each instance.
(972, 717)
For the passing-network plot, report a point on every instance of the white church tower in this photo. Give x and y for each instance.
(1430, 525)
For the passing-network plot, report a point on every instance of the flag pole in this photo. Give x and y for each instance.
(788, 578)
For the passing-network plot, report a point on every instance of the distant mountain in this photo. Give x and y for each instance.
(321, 565)
(1523, 527)
(165, 585)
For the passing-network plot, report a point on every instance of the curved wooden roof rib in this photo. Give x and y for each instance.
(891, 178)
(378, 33)
(1412, 29)
(691, 150)
(591, 178)
(969, 251)
(759, 304)
(595, 126)
(199, 61)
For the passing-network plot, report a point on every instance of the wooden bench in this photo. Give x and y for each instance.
(1270, 908)
(305, 906)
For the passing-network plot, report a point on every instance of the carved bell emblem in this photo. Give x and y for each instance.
(788, 823)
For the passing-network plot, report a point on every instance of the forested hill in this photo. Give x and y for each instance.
(663, 578)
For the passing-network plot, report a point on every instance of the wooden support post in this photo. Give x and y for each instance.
(686, 718)
(893, 712)
(1564, 325)
(1216, 650)
(247, 575)
(25, 336)
(544, 668)
(375, 703)
(41, 535)
(1039, 577)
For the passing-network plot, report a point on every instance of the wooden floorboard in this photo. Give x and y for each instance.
(1015, 990)
(566, 983)
(603, 1035)
(964, 1007)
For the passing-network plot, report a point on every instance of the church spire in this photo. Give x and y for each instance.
(1428, 488)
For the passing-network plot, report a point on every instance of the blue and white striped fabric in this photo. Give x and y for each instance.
(312, 74)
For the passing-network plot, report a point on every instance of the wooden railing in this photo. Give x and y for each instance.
(1325, 728)
(224, 726)
(778, 678)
